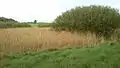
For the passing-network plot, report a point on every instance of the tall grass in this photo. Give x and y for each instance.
(22, 39)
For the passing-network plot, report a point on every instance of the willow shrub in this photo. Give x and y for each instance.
(102, 20)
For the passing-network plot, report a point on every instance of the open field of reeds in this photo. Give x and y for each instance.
(33, 38)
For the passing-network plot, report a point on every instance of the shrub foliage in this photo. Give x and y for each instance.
(102, 20)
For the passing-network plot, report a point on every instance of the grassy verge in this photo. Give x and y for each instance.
(102, 56)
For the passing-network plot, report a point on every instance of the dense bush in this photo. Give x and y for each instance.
(102, 20)
(116, 35)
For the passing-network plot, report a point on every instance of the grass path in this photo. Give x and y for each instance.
(103, 56)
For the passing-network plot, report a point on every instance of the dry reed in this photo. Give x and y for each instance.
(21, 39)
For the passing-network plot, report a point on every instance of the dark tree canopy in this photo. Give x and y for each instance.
(35, 21)
(7, 20)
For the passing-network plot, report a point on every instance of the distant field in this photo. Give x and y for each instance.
(40, 24)
(23, 25)
(101, 56)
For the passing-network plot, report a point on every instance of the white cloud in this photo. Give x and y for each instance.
(43, 10)
(28, 10)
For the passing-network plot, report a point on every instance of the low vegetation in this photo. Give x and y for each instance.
(102, 56)
(13, 25)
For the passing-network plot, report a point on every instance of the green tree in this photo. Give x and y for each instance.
(35, 21)
(101, 20)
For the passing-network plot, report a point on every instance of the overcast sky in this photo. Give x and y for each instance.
(44, 10)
